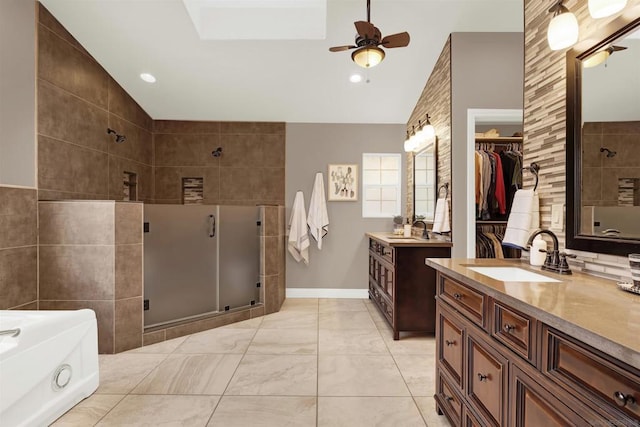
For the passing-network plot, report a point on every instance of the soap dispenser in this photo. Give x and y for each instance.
(407, 229)
(537, 252)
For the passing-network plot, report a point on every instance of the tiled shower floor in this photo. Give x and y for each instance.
(326, 362)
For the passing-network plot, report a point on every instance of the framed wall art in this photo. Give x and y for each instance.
(343, 183)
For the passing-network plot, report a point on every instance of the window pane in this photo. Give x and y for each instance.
(431, 162)
(420, 178)
(371, 177)
(371, 208)
(389, 177)
(420, 162)
(389, 162)
(421, 193)
(430, 179)
(371, 162)
(421, 206)
(389, 194)
(389, 208)
(372, 193)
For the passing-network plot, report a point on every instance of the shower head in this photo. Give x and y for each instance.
(610, 153)
(119, 138)
(217, 152)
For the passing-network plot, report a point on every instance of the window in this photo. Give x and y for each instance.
(381, 185)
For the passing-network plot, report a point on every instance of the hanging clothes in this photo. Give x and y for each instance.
(497, 177)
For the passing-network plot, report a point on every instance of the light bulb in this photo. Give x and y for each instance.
(563, 31)
(604, 8)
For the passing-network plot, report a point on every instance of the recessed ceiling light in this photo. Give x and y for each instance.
(148, 77)
(355, 78)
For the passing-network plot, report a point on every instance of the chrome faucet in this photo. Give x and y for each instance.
(555, 261)
(425, 234)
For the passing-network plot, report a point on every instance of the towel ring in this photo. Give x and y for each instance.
(446, 189)
(533, 168)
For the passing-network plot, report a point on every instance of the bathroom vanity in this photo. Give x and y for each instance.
(400, 284)
(535, 352)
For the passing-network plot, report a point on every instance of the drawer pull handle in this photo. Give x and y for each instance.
(623, 399)
(457, 296)
(448, 398)
(449, 343)
(482, 378)
(508, 328)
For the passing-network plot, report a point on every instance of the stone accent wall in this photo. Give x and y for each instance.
(435, 100)
(18, 249)
(544, 117)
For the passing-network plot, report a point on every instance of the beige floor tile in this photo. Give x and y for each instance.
(427, 407)
(374, 311)
(245, 324)
(89, 411)
(294, 341)
(359, 376)
(164, 347)
(219, 340)
(291, 320)
(265, 411)
(152, 411)
(368, 412)
(120, 373)
(344, 320)
(282, 375)
(300, 304)
(346, 304)
(419, 373)
(351, 341)
(191, 374)
(410, 343)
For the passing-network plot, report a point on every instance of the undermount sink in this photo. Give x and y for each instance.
(512, 274)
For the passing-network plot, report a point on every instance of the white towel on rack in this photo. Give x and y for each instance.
(441, 223)
(524, 219)
(318, 219)
(298, 242)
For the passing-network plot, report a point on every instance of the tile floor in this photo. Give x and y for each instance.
(318, 362)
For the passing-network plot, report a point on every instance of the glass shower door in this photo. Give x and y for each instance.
(180, 262)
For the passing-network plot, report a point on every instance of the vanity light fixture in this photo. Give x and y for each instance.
(601, 56)
(149, 78)
(410, 142)
(563, 28)
(604, 8)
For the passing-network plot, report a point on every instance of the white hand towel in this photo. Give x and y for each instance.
(318, 219)
(298, 243)
(524, 219)
(441, 223)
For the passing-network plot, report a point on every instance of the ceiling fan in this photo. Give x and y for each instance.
(601, 56)
(368, 38)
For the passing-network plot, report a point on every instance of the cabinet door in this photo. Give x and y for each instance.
(448, 400)
(486, 378)
(533, 405)
(450, 340)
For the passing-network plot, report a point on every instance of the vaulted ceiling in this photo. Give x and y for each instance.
(274, 80)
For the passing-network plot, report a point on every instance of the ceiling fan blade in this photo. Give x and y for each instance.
(396, 40)
(617, 48)
(365, 29)
(341, 48)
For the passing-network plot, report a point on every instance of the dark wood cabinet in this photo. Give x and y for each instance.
(402, 286)
(498, 366)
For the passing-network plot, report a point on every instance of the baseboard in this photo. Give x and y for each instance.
(327, 293)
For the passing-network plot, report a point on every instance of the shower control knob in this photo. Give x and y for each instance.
(62, 377)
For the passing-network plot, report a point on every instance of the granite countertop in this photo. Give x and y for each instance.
(586, 307)
(391, 239)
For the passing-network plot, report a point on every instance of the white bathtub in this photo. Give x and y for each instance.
(48, 367)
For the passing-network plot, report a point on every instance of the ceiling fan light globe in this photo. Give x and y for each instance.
(604, 8)
(596, 59)
(563, 31)
(368, 56)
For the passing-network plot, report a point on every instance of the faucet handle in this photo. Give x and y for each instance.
(563, 266)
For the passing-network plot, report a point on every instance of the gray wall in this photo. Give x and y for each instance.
(17, 93)
(342, 262)
(487, 71)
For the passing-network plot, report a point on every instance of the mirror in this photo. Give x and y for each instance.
(603, 144)
(424, 184)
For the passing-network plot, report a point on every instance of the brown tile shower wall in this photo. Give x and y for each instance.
(77, 102)
(602, 174)
(91, 257)
(436, 101)
(272, 265)
(250, 170)
(18, 249)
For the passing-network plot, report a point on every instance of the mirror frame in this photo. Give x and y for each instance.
(413, 160)
(575, 240)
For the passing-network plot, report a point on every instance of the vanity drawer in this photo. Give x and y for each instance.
(450, 344)
(515, 330)
(451, 402)
(464, 299)
(486, 379)
(585, 373)
(385, 252)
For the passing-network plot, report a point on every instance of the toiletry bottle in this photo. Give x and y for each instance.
(536, 257)
(407, 229)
